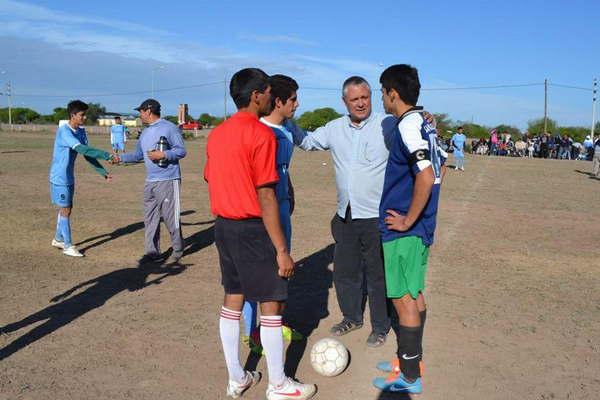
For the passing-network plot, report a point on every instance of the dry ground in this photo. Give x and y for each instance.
(513, 288)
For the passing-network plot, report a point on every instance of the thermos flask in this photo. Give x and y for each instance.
(162, 145)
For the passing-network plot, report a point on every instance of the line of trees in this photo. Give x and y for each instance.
(311, 120)
(24, 115)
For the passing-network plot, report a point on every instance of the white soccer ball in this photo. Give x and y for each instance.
(329, 357)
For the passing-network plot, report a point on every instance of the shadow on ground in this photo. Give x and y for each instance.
(99, 290)
(308, 292)
(68, 308)
(117, 233)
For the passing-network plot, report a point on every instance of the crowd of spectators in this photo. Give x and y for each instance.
(542, 145)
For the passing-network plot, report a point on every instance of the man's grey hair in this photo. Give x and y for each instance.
(355, 81)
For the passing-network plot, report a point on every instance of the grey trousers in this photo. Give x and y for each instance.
(161, 199)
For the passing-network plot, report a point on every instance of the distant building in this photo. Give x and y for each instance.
(182, 113)
(130, 120)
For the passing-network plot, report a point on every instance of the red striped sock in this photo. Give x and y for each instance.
(272, 341)
(229, 328)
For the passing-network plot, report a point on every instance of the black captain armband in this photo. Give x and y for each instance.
(419, 155)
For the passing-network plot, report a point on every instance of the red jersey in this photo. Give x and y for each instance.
(240, 157)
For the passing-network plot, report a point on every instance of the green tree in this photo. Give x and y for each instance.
(443, 125)
(476, 131)
(59, 114)
(20, 115)
(536, 126)
(172, 118)
(311, 120)
(577, 133)
(94, 111)
(206, 119)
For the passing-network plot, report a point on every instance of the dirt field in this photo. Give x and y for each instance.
(513, 287)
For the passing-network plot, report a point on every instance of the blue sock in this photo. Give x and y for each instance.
(58, 234)
(249, 315)
(65, 230)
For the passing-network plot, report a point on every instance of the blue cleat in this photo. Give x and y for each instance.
(397, 383)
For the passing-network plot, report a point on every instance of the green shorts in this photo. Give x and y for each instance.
(405, 261)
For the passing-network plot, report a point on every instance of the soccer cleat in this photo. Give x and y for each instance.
(291, 390)
(397, 383)
(394, 366)
(236, 389)
(72, 251)
(58, 244)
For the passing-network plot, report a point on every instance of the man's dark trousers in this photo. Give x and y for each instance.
(358, 255)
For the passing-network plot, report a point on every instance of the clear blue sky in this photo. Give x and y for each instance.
(80, 48)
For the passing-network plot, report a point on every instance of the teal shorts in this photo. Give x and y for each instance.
(405, 261)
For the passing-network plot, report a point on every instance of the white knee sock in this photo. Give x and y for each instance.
(229, 328)
(271, 338)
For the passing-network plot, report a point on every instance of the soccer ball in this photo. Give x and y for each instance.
(329, 357)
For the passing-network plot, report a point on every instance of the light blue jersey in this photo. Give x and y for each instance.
(117, 134)
(63, 159)
(148, 142)
(459, 140)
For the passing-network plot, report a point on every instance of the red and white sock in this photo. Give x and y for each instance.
(271, 338)
(229, 328)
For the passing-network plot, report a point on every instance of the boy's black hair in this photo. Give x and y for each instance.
(118, 117)
(404, 79)
(246, 81)
(76, 106)
(459, 128)
(282, 88)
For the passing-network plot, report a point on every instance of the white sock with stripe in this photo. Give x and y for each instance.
(229, 328)
(271, 338)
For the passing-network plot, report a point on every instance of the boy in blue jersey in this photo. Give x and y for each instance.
(284, 101)
(118, 136)
(458, 143)
(70, 140)
(408, 212)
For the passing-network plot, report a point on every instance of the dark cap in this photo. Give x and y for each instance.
(149, 104)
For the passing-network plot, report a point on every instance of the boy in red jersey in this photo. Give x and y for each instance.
(253, 254)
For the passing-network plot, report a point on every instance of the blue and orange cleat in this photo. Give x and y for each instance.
(397, 383)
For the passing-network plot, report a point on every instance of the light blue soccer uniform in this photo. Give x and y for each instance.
(117, 137)
(62, 177)
(459, 140)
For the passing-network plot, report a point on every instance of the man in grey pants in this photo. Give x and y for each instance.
(163, 178)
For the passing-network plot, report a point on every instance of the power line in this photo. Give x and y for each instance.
(118, 93)
(570, 87)
(448, 88)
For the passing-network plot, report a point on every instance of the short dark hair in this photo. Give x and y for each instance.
(282, 88)
(246, 81)
(118, 117)
(404, 79)
(76, 106)
(459, 128)
(355, 81)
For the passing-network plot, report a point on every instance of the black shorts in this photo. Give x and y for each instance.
(248, 260)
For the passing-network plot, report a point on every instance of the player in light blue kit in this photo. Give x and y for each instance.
(71, 140)
(284, 105)
(458, 142)
(118, 136)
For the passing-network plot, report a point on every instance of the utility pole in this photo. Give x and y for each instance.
(594, 107)
(9, 93)
(545, 105)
